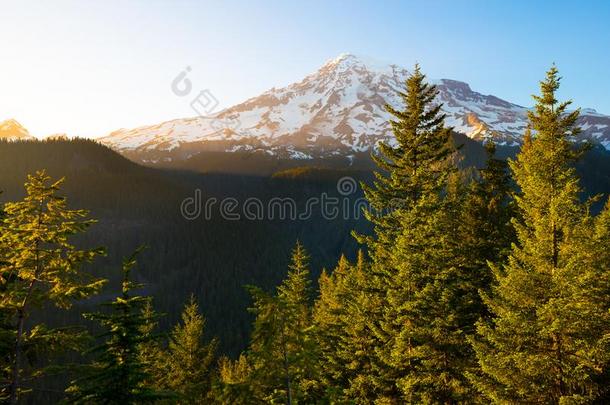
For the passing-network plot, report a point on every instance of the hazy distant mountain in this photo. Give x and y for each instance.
(336, 111)
(12, 130)
(57, 137)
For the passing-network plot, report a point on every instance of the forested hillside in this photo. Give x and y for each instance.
(136, 206)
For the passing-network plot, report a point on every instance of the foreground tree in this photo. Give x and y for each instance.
(188, 359)
(548, 339)
(281, 361)
(341, 320)
(150, 349)
(39, 265)
(420, 161)
(417, 167)
(432, 305)
(118, 375)
(486, 232)
(330, 317)
(234, 382)
(421, 268)
(597, 256)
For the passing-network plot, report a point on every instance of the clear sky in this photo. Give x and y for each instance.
(87, 68)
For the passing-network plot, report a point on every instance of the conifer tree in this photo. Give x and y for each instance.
(419, 166)
(6, 330)
(118, 375)
(432, 303)
(283, 351)
(358, 350)
(342, 315)
(418, 264)
(40, 265)
(150, 350)
(420, 161)
(486, 230)
(430, 307)
(598, 257)
(547, 341)
(235, 382)
(331, 320)
(485, 233)
(189, 359)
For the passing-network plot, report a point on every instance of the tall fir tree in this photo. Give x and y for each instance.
(234, 384)
(342, 316)
(330, 318)
(431, 306)
(39, 265)
(485, 216)
(360, 344)
(598, 257)
(6, 330)
(189, 359)
(418, 166)
(283, 351)
(118, 375)
(442, 256)
(548, 339)
(484, 233)
(150, 350)
(429, 294)
(420, 161)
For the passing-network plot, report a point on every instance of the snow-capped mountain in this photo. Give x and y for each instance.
(337, 110)
(13, 131)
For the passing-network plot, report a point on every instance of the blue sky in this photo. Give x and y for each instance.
(88, 68)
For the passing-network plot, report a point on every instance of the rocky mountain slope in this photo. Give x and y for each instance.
(336, 111)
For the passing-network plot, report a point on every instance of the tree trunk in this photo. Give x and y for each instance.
(287, 373)
(17, 365)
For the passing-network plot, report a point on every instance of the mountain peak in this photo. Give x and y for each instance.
(349, 61)
(10, 123)
(342, 57)
(11, 129)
